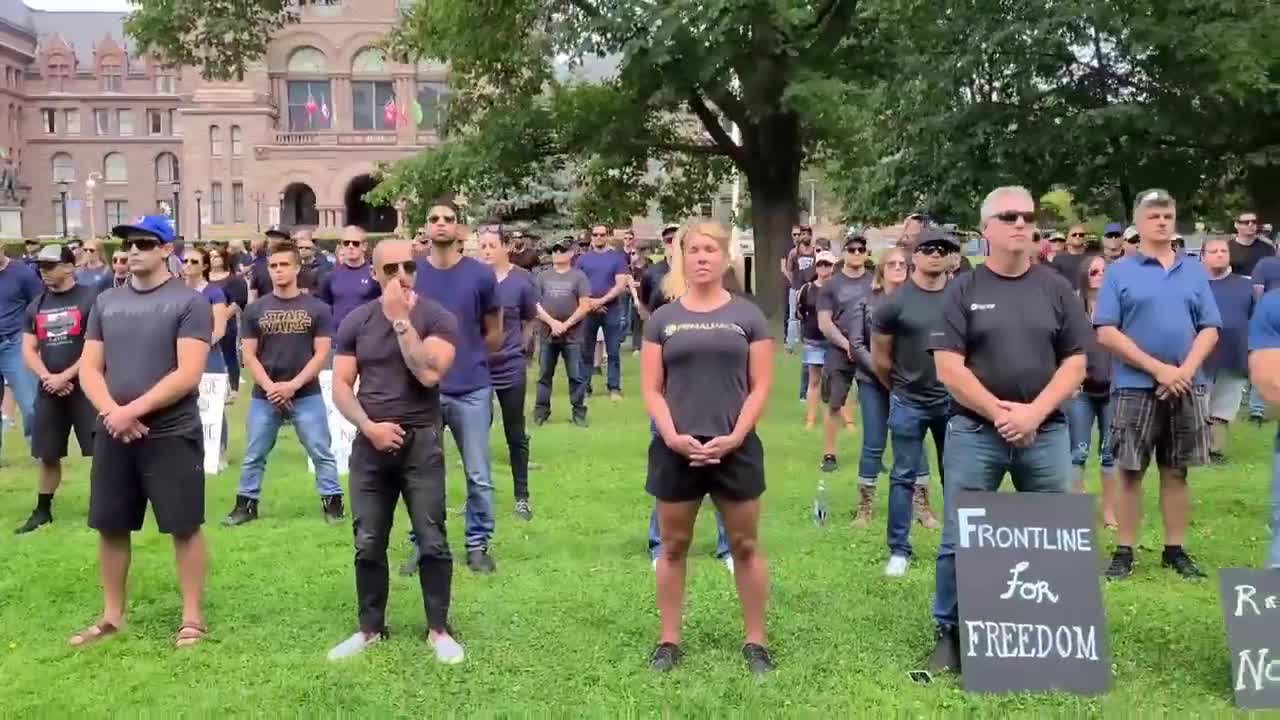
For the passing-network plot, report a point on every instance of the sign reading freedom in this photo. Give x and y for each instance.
(1030, 603)
(1251, 608)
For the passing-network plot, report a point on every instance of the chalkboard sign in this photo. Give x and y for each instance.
(1251, 607)
(1030, 603)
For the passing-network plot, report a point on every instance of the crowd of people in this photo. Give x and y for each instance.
(1129, 335)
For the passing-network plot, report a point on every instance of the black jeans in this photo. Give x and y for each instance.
(511, 402)
(378, 480)
(229, 346)
(552, 350)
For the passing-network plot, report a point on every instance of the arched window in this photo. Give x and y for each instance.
(369, 61)
(237, 140)
(166, 168)
(373, 101)
(215, 141)
(64, 170)
(115, 167)
(310, 101)
(306, 60)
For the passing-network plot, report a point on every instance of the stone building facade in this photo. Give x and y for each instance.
(120, 135)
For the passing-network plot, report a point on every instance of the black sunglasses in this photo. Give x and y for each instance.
(120, 261)
(1133, 240)
(142, 244)
(352, 243)
(1247, 222)
(934, 250)
(408, 267)
(856, 249)
(1076, 235)
(1011, 216)
(192, 261)
(1113, 235)
(446, 219)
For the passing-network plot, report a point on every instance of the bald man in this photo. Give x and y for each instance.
(350, 284)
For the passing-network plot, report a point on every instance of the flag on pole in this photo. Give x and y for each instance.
(324, 110)
(390, 112)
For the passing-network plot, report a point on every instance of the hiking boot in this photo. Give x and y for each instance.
(332, 507)
(866, 496)
(523, 511)
(38, 517)
(246, 510)
(924, 513)
(1121, 565)
(541, 419)
(757, 657)
(1182, 564)
(665, 657)
(580, 419)
(946, 653)
(479, 561)
(1217, 458)
(829, 463)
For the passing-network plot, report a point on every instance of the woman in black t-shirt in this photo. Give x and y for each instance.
(223, 277)
(815, 343)
(706, 368)
(1092, 402)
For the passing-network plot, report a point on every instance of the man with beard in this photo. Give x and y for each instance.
(51, 347)
(523, 255)
(351, 283)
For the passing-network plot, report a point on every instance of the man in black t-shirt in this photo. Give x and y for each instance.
(257, 276)
(399, 347)
(1248, 247)
(285, 341)
(51, 347)
(836, 303)
(1067, 262)
(1011, 349)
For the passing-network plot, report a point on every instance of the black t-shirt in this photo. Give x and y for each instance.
(910, 315)
(840, 296)
(1245, 257)
(286, 330)
(1068, 266)
(527, 258)
(234, 287)
(651, 285)
(807, 311)
(389, 392)
(801, 266)
(258, 276)
(58, 321)
(1012, 332)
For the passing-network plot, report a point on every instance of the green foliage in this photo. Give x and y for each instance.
(218, 37)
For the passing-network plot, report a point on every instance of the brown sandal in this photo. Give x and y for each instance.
(94, 633)
(189, 635)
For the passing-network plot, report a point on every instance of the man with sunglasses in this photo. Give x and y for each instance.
(52, 345)
(1131, 241)
(564, 299)
(1067, 262)
(119, 269)
(19, 286)
(1010, 348)
(1247, 248)
(399, 347)
(610, 276)
(797, 268)
(314, 264)
(145, 350)
(351, 283)
(1113, 242)
(837, 300)
(467, 288)
(93, 271)
(285, 341)
(1157, 316)
(918, 401)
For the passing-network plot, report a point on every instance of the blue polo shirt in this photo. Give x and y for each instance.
(1264, 326)
(469, 290)
(1160, 310)
(20, 285)
(602, 269)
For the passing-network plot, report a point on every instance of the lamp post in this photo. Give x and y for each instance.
(89, 185)
(256, 197)
(280, 209)
(177, 198)
(199, 215)
(63, 186)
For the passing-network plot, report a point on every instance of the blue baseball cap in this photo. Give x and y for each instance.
(157, 225)
(1113, 229)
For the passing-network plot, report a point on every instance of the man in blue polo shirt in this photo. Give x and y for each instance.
(1264, 372)
(20, 285)
(1157, 315)
(609, 275)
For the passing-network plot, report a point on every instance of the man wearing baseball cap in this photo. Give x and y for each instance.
(52, 344)
(564, 300)
(1112, 240)
(836, 302)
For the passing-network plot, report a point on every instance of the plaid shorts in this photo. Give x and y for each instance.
(1177, 429)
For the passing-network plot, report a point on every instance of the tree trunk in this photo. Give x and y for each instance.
(774, 156)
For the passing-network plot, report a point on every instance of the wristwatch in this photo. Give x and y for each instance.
(400, 326)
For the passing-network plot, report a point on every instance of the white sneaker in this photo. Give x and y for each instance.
(728, 563)
(897, 565)
(448, 651)
(354, 645)
(655, 564)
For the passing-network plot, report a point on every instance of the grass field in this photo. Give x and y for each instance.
(566, 625)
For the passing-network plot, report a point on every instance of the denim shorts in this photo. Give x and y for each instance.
(815, 352)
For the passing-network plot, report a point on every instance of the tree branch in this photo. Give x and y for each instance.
(715, 129)
(691, 148)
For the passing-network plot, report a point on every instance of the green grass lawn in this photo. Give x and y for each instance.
(566, 625)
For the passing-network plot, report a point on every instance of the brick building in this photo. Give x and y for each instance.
(119, 135)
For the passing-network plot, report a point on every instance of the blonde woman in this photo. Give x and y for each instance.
(706, 369)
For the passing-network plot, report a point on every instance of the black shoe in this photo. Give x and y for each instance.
(1256, 419)
(580, 419)
(757, 657)
(479, 561)
(1121, 565)
(1182, 564)
(829, 463)
(1217, 458)
(37, 518)
(246, 510)
(523, 511)
(665, 657)
(539, 419)
(332, 507)
(410, 564)
(946, 653)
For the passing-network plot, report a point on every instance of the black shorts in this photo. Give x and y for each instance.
(739, 475)
(55, 418)
(166, 471)
(838, 377)
(1176, 430)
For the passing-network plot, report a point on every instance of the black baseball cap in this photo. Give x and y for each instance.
(559, 247)
(855, 240)
(936, 236)
(284, 232)
(31, 241)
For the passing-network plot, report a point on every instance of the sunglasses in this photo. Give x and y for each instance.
(895, 263)
(142, 244)
(1076, 235)
(446, 219)
(120, 261)
(1010, 217)
(192, 261)
(1113, 235)
(408, 267)
(856, 249)
(1247, 222)
(934, 251)
(352, 243)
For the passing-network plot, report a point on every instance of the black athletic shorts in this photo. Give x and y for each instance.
(166, 471)
(838, 377)
(739, 475)
(55, 418)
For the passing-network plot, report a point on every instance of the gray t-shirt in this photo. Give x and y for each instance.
(559, 293)
(704, 360)
(801, 266)
(911, 315)
(139, 331)
(840, 295)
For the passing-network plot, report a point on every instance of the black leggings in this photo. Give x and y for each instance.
(229, 344)
(511, 402)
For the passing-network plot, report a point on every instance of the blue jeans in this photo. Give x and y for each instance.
(873, 403)
(1256, 406)
(610, 320)
(468, 417)
(1273, 555)
(310, 421)
(908, 423)
(977, 458)
(1085, 411)
(15, 375)
(655, 539)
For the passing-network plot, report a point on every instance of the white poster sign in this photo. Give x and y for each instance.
(341, 432)
(213, 403)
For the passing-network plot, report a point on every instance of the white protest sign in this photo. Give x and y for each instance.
(213, 402)
(341, 432)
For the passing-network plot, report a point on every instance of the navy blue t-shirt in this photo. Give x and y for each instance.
(1234, 295)
(519, 301)
(602, 269)
(469, 290)
(346, 288)
(1267, 273)
(20, 285)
